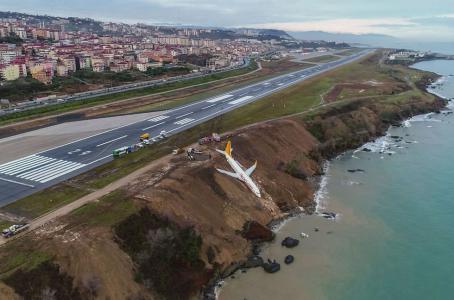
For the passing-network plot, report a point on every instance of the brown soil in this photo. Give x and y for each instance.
(96, 262)
(193, 193)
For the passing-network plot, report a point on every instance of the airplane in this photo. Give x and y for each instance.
(240, 174)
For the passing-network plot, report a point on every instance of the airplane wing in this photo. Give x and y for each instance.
(251, 169)
(231, 174)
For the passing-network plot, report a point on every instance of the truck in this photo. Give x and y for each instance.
(145, 136)
(13, 230)
(214, 137)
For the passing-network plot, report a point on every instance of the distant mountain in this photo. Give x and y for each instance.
(261, 33)
(365, 39)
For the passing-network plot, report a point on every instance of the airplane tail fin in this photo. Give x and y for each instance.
(227, 151)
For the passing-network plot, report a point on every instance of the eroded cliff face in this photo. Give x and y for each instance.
(290, 154)
(358, 122)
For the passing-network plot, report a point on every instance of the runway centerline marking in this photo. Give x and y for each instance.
(108, 142)
(153, 126)
(208, 106)
(242, 99)
(184, 115)
(219, 98)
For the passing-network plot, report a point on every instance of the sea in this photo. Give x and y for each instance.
(393, 236)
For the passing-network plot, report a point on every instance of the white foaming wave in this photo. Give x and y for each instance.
(424, 118)
(322, 191)
(450, 105)
(380, 145)
(435, 88)
(278, 226)
(218, 288)
(351, 182)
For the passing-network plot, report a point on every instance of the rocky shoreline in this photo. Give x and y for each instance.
(331, 146)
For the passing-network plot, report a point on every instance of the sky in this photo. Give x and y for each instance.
(409, 19)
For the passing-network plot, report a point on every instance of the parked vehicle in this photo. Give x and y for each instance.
(145, 136)
(214, 137)
(13, 230)
(120, 151)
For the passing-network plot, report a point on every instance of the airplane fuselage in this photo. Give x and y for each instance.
(243, 176)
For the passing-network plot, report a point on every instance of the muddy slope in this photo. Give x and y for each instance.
(290, 153)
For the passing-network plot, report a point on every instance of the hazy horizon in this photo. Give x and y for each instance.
(401, 19)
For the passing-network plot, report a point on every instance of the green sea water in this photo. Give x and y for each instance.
(394, 235)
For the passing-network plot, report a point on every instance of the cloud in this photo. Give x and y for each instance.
(190, 5)
(355, 26)
(446, 16)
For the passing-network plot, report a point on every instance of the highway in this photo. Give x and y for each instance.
(29, 105)
(27, 175)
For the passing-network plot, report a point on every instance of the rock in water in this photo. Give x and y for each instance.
(329, 215)
(289, 259)
(253, 262)
(271, 266)
(356, 170)
(290, 242)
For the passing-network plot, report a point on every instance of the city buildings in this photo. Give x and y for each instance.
(47, 48)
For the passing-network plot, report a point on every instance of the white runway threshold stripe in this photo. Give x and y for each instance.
(23, 164)
(51, 171)
(220, 98)
(38, 168)
(183, 121)
(242, 99)
(158, 118)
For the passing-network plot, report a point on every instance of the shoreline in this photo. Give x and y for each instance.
(322, 181)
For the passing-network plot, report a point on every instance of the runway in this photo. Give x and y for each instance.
(29, 174)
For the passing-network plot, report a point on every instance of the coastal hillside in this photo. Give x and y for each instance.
(170, 233)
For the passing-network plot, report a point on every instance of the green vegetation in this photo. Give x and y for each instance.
(48, 283)
(164, 70)
(292, 168)
(322, 59)
(65, 107)
(165, 254)
(44, 201)
(107, 211)
(11, 39)
(21, 88)
(5, 224)
(26, 259)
